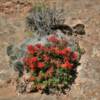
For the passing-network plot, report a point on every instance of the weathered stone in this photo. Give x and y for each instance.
(87, 84)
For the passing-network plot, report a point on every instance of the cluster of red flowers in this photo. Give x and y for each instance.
(49, 58)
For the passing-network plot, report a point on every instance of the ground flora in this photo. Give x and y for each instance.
(50, 66)
(47, 61)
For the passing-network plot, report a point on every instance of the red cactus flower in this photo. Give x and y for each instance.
(40, 65)
(38, 45)
(32, 67)
(32, 78)
(53, 39)
(63, 65)
(57, 51)
(61, 52)
(67, 65)
(68, 49)
(27, 61)
(34, 59)
(30, 49)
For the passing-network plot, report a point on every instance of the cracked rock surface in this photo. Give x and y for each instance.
(12, 27)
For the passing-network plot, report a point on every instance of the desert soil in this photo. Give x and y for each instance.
(12, 30)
